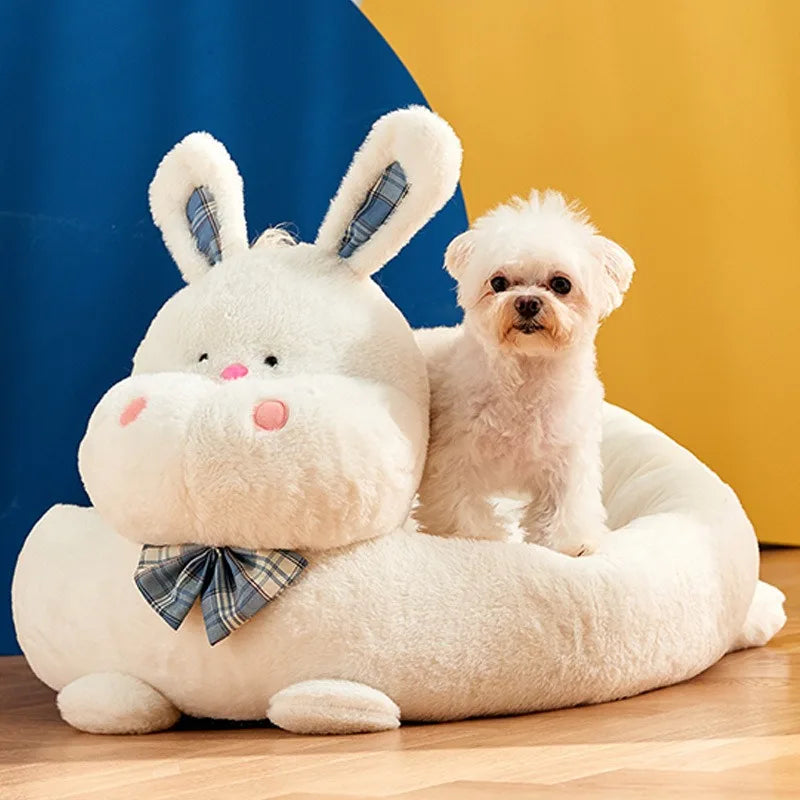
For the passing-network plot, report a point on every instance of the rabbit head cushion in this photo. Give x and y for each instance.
(278, 400)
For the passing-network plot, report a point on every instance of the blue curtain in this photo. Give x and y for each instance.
(92, 95)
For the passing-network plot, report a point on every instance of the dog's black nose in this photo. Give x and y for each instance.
(527, 307)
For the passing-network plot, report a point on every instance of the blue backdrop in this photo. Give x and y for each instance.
(92, 95)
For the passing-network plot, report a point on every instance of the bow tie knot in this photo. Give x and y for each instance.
(233, 583)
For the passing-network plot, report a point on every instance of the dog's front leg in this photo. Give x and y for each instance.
(539, 521)
(476, 518)
(566, 512)
(454, 508)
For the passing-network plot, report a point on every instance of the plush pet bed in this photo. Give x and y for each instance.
(279, 401)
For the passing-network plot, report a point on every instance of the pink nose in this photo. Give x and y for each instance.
(271, 415)
(233, 371)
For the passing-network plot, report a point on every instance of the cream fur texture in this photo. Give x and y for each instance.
(386, 623)
(515, 396)
(113, 702)
(338, 706)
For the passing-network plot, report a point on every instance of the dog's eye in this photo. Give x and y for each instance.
(560, 285)
(499, 283)
(203, 357)
(271, 361)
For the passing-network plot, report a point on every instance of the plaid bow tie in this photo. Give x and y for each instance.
(233, 584)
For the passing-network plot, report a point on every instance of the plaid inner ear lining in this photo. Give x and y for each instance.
(201, 211)
(381, 200)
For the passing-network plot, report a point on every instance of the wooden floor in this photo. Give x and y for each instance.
(734, 732)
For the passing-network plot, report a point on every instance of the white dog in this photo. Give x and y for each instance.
(516, 401)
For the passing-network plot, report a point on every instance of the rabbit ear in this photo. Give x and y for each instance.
(406, 170)
(197, 201)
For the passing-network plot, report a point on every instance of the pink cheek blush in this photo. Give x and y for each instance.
(271, 415)
(132, 411)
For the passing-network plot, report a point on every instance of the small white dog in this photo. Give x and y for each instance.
(515, 398)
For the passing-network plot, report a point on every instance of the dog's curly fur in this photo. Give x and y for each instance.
(516, 400)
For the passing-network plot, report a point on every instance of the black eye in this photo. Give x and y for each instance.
(499, 283)
(271, 361)
(203, 357)
(560, 285)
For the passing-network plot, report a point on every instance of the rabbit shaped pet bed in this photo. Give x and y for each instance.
(245, 556)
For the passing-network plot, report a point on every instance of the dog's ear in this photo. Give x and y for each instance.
(618, 271)
(458, 252)
(197, 201)
(405, 171)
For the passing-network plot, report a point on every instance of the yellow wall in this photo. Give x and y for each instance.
(678, 124)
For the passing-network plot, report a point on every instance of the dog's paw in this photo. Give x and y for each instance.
(575, 548)
(585, 546)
